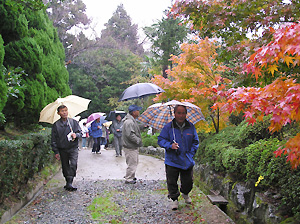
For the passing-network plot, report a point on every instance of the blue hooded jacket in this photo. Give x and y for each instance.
(187, 140)
(96, 133)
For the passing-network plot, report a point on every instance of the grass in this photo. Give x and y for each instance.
(102, 207)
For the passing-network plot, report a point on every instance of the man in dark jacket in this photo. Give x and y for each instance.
(180, 140)
(64, 141)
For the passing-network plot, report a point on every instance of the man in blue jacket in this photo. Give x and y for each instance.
(180, 140)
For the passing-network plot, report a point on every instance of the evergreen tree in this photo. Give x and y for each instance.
(103, 71)
(3, 87)
(120, 28)
(166, 37)
(32, 45)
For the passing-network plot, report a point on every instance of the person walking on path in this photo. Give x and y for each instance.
(90, 142)
(116, 129)
(64, 141)
(180, 140)
(96, 133)
(85, 135)
(132, 140)
(103, 140)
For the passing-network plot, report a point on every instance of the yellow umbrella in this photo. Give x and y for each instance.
(75, 105)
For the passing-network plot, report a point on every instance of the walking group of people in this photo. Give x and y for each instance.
(96, 136)
(179, 139)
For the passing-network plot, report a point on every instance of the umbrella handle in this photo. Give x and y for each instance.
(172, 125)
(70, 125)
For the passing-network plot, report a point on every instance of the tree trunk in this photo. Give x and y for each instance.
(164, 68)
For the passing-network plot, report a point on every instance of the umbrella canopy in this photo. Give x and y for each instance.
(94, 116)
(112, 115)
(159, 114)
(84, 120)
(103, 120)
(75, 105)
(140, 90)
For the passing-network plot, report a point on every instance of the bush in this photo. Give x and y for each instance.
(260, 156)
(21, 159)
(149, 140)
(246, 134)
(225, 152)
(234, 160)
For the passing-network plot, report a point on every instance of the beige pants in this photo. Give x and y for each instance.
(132, 160)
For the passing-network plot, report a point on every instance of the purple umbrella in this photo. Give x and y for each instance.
(94, 116)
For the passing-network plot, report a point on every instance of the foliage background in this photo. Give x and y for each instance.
(32, 44)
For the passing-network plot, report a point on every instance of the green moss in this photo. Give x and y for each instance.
(104, 206)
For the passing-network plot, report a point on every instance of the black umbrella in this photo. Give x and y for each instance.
(112, 115)
(140, 90)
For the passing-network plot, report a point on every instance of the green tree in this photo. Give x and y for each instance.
(104, 77)
(120, 29)
(166, 36)
(3, 87)
(104, 70)
(66, 16)
(33, 46)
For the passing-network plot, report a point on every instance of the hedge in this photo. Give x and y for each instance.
(21, 159)
(246, 153)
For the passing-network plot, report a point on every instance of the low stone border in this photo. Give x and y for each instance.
(150, 150)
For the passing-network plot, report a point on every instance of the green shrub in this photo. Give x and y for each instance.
(246, 134)
(225, 152)
(21, 159)
(234, 160)
(212, 153)
(149, 140)
(260, 156)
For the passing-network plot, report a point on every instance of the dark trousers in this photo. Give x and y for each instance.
(96, 145)
(69, 158)
(186, 181)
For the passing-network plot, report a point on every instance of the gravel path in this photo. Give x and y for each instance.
(113, 201)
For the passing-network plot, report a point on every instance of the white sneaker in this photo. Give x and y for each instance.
(187, 199)
(174, 205)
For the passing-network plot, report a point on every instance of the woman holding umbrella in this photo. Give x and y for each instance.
(96, 133)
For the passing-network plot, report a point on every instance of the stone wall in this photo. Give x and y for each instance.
(245, 204)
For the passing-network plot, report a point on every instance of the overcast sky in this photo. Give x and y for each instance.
(142, 12)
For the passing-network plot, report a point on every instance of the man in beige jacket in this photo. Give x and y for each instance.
(132, 140)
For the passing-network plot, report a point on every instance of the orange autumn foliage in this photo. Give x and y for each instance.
(196, 77)
(280, 99)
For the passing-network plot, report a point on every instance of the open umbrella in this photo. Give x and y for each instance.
(94, 116)
(159, 114)
(82, 121)
(112, 115)
(140, 90)
(75, 105)
(103, 119)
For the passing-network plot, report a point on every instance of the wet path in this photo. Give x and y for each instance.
(102, 196)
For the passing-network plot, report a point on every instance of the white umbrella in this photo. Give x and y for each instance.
(75, 105)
